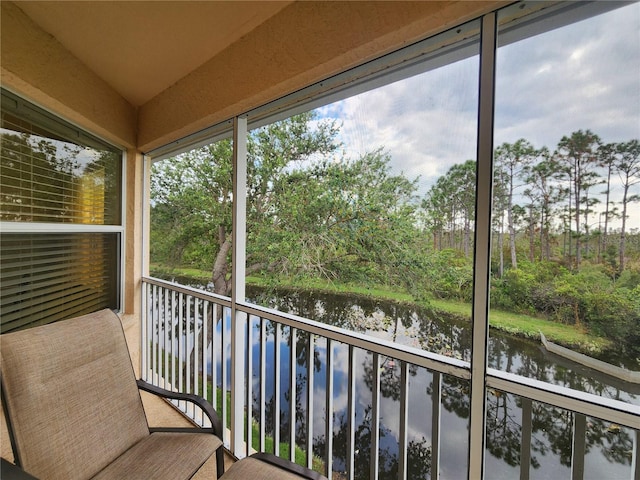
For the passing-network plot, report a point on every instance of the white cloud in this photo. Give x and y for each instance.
(582, 76)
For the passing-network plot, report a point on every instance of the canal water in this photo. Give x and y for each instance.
(609, 447)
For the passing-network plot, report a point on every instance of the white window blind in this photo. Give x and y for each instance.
(69, 184)
(49, 277)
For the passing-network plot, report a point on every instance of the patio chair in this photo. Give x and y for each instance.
(74, 412)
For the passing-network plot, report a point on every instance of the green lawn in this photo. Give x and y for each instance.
(530, 327)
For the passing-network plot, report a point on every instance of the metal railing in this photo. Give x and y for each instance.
(339, 401)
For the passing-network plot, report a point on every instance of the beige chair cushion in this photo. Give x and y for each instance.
(267, 467)
(163, 456)
(251, 468)
(72, 399)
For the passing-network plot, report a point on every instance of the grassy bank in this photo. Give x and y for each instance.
(516, 324)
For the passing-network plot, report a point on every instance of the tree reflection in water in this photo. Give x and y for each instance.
(552, 428)
(608, 447)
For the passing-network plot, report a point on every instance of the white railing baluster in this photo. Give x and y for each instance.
(154, 330)
(525, 441)
(196, 347)
(165, 328)
(205, 349)
(144, 333)
(292, 392)
(436, 407)
(635, 456)
(578, 451)
(375, 418)
(249, 401)
(214, 355)
(223, 372)
(404, 403)
(351, 412)
(181, 344)
(263, 381)
(276, 390)
(310, 366)
(196, 354)
(187, 359)
(174, 315)
(328, 430)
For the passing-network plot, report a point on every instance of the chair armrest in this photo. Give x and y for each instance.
(205, 406)
(9, 471)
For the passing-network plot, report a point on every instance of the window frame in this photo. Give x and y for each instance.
(28, 110)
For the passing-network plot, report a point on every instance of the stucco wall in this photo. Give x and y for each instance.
(36, 66)
(305, 43)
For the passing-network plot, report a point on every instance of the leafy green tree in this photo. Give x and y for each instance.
(511, 161)
(541, 191)
(193, 197)
(435, 214)
(498, 214)
(606, 159)
(627, 163)
(578, 156)
(192, 194)
(450, 204)
(308, 214)
(353, 218)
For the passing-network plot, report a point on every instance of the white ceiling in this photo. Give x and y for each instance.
(141, 48)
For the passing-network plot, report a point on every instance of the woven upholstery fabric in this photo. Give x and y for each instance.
(252, 469)
(163, 456)
(71, 395)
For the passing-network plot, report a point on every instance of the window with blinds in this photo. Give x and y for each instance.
(60, 218)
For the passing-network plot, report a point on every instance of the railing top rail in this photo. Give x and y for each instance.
(589, 404)
(406, 353)
(592, 405)
(429, 360)
(194, 292)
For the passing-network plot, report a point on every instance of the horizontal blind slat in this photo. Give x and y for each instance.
(50, 276)
(53, 172)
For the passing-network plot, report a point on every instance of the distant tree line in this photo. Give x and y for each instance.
(555, 250)
(312, 213)
(542, 195)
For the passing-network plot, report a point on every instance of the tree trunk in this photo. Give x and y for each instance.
(221, 286)
(501, 250)
(577, 218)
(532, 232)
(603, 241)
(467, 236)
(624, 226)
(512, 247)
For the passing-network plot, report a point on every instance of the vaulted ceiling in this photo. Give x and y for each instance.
(141, 48)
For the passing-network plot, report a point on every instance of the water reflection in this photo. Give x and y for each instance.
(608, 447)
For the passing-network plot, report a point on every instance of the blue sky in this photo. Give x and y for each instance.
(583, 76)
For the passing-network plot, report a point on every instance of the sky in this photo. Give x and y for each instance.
(582, 76)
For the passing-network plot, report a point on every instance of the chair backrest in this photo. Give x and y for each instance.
(70, 396)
